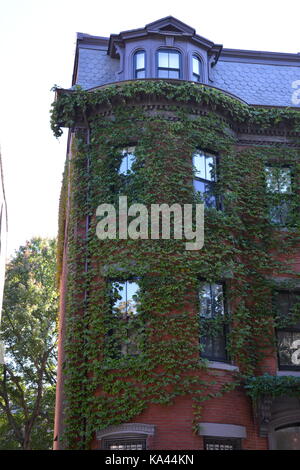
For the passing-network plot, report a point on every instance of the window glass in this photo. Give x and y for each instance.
(204, 166)
(168, 64)
(289, 348)
(196, 69)
(279, 187)
(125, 298)
(163, 59)
(278, 179)
(212, 334)
(288, 438)
(128, 158)
(173, 60)
(140, 60)
(140, 74)
(221, 443)
(211, 300)
(140, 64)
(288, 337)
(124, 444)
(173, 74)
(126, 331)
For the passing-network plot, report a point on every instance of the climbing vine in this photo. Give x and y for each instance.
(243, 246)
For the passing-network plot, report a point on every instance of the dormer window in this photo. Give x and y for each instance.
(196, 69)
(168, 64)
(140, 64)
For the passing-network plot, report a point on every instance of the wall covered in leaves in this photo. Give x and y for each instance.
(167, 122)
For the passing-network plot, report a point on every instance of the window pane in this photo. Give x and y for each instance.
(211, 300)
(205, 300)
(173, 74)
(140, 60)
(140, 74)
(206, 191)
(289, 348)
(163, 59)
(124, 444)
(219, 443)
(127, 160)
(286, 304)
(205, 166)
(199, 164)
(163, 74)
(173, 60)
(278, 179)
(196, 65)
(288, 438)
(217, 299)
(125, 295)
(210, 168)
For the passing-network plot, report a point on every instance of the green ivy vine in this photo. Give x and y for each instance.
(242, 246)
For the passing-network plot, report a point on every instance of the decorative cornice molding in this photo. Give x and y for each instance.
(271, 58)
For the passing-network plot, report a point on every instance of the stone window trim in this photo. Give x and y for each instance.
(283, 373)
(128, 429)
(223, 366)
(222, 430)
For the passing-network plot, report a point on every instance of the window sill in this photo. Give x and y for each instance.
(222, 366)
(283, 373)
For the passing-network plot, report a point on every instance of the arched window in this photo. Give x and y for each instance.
(196, 69)
(139, 62)
(168, 63)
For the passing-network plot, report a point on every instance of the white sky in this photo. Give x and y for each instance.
(37, 45)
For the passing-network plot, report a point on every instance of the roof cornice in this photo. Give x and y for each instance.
(240, 55)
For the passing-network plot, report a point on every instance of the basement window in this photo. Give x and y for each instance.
(130, 443)
(221, 443)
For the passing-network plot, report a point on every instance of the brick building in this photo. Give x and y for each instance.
(247, 82)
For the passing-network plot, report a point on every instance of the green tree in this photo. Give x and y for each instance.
(27, 379)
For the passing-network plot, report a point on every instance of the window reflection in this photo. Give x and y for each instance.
(168, 64)
(128, 158)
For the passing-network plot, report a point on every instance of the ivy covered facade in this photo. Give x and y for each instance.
(162, 347)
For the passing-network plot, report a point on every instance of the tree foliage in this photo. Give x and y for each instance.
(27, 380)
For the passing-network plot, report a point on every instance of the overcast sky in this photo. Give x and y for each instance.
(37, 45)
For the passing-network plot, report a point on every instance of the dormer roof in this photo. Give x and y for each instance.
(168, 26)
